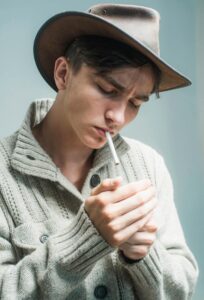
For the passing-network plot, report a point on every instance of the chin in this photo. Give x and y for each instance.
(96, 144)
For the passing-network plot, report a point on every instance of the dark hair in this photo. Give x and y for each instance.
(105, 54)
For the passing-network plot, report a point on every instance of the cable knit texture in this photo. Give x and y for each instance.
(49, 248)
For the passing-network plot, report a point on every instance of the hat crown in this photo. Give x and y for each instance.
(135, 26)
(142, 23)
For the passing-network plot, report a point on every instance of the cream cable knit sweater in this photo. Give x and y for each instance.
(49, 248)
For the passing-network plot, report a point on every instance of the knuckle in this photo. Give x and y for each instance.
(137, 226)
(117, 240)
(93, 191)
(88, 201)
(104, 183)
(101, 201)
(155, 227)
(153, 238)
(109, 228)
(112, 227)
(152, 227)
(140, 199)
(149, 241)
(108, 214)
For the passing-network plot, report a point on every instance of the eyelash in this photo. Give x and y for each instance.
(114, 93)
(134, 106)
(108, 93)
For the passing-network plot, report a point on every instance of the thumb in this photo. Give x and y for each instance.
(108, 184)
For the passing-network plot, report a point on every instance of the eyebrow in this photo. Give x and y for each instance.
(114, 82)
(121, 88)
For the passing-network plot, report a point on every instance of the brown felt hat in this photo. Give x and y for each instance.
(136, 26)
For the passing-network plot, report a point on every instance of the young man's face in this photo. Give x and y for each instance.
(95, 103)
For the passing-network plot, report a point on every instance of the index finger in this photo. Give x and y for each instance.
(130, 189)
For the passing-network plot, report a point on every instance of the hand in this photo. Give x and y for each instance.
(139, 244)
(118, 212)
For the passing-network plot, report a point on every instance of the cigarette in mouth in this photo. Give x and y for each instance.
(112, 148)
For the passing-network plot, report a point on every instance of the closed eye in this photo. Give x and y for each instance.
(134, 105)
(111, 92)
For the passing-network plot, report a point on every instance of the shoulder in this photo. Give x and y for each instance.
(149, 159)
(148, 153)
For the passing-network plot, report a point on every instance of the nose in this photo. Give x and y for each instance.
(116, 114)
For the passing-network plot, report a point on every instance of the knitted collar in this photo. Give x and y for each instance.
(28, 156)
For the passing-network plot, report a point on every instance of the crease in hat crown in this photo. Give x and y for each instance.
(136, 26)
(140, 22)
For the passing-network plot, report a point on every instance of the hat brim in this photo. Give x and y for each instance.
(57, 33)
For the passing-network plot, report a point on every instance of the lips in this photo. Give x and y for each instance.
(101, 131)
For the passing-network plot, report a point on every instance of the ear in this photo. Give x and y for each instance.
(61, 72)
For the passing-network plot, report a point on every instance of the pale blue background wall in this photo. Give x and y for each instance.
(173, 125)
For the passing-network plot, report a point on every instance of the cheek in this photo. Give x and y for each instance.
(131, 114)
(85, 104)
(90, 101)
(76, 103)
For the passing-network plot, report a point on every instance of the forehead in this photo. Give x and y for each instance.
(125, 78)
(132, 77)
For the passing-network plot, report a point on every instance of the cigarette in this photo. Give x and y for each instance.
(112, 148)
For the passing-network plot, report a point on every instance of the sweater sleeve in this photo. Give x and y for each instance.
(169, 271)
(55, 268)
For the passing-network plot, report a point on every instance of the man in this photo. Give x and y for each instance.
(73, 224)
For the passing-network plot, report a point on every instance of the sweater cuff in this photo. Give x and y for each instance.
(147, 270)
(79, 246)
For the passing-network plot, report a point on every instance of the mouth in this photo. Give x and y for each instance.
(102, 131)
